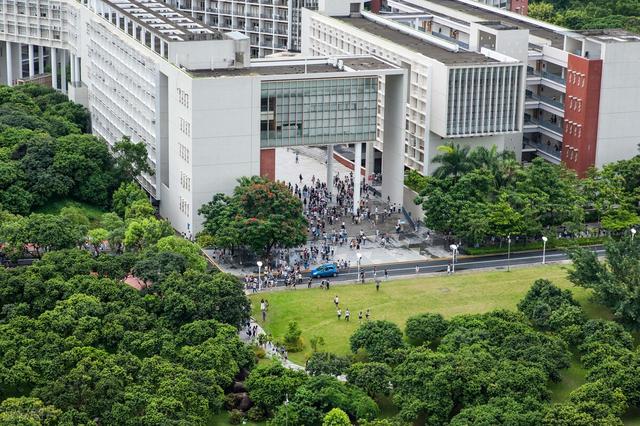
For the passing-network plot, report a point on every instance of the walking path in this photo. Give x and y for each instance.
(269, 348)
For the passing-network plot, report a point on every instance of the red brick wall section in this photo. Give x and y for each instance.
(519, 6)
(268, 163)
(581, 109)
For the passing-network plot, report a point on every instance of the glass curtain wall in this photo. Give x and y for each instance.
(318, 112)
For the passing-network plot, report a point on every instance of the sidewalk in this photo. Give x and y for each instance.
(269, 348)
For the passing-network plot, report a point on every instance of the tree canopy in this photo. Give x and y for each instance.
(79, 348)
(482, 197)
(260, 215)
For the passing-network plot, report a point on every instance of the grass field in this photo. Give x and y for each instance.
(92, 212)
(464, 293)
(451, 295)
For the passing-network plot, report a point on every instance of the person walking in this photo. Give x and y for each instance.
(263, 309)
(367, 315)
(347, 315)
(386, 274)
(336, 300)
(339, 311)
(377, 284)
(360, 316)
(448, 269)
(417, 269)
(362, 277)
(297, 159)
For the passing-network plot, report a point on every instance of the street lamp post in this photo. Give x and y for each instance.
(508, 253)
(633, 233)
(544, 248)
(454, 249)
(259, 278)
(359, 257)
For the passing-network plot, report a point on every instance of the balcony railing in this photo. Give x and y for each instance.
(553, 149)
(545, 99)
(542, 123)
(553, 77)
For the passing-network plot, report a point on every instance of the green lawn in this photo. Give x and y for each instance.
(92, 212)
(463, 293)
(572, 377)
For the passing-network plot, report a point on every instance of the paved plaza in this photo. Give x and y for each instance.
(311, 164)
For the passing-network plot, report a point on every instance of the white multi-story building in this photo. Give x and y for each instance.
(272, 26)
(206, 114)
(580, 92)
(454, 95)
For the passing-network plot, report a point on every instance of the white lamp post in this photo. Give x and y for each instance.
(633, 233)
(454, 249)
(359, 257)
(509, 253)
(544, 248)
(259, 263)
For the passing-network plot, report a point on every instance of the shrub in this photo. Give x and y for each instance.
(259, 352)
(292, 340)
(235, 417)
(379, 338)
(336, 417)
(256, 414)
(372, 377)
(327, 363)
(425, 328)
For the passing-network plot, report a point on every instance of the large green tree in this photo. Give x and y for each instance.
(261, 214)
(614, 280)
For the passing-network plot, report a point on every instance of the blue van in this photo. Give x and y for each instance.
(323, 271)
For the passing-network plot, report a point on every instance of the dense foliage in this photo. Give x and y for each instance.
(615, 280)
(588, 14)
(45, 154)
(85, 348)
(483, 197)
(260, 215)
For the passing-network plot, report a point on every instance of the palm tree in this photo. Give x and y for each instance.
(454, 161)
(501, 165)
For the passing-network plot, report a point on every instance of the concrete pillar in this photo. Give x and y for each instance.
(9, 63)
(369, 159)
(53, 58)
(78, 70)
(357, 176)
(394, 130)
(32, 63)
(330, 162)
(40, 59)
(63, 70)
(161, 48)
(72, 63)
(20, 60)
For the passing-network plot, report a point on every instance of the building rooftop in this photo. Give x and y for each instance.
(433, 51)
(164, 21)
(556, 38)
(610, 35)
(498, 25)
(297, 66)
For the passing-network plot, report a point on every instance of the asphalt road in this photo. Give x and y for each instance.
(464, 263)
